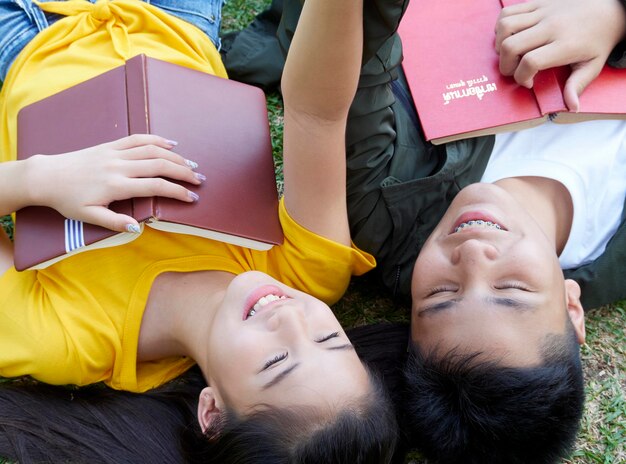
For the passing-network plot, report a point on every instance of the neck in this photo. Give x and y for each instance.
(547, 201)
(179, 314)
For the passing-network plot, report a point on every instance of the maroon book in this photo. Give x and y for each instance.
(220, 124)
(453, 73)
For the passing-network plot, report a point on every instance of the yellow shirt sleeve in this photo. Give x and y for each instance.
(314, 264)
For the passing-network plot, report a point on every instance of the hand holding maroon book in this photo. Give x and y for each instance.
(220, 124)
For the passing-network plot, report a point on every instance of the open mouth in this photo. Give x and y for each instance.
(263, 302)
(478, 223)
(476, 220)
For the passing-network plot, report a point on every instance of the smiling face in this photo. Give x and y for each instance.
(270, 344)
(488, 279)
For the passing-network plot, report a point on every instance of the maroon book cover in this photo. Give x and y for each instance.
(453, 73)
(220, 124)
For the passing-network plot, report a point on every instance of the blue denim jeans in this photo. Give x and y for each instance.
(21, 20)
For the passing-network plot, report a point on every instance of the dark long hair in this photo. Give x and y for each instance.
(364, 431)
(42, 423)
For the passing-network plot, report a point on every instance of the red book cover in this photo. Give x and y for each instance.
(220, 124)
(453, 73)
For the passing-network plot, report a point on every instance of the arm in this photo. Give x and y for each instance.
(80, 185)
(319, 83)
(542, 34)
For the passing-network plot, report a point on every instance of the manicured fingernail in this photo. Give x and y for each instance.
(200, 176)
(133, 228)
(191, 164)
(194, 196)
(171, 142)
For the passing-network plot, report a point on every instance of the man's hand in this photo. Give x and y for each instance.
(542, 34)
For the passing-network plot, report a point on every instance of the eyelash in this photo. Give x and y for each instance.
(513, 285)
(282, 356)
(436, 290)
(274, 360)
(505, 286)
(328, 337)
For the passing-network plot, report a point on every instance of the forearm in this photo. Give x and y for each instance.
(14, 186)
(324, 59)
(319, 83)
(380, 21)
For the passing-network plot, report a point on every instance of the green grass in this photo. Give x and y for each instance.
(602, 438)
(7, 224)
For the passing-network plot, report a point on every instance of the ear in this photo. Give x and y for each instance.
(208, 410)
(575, 308)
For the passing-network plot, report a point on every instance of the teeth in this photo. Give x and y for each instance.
(478, 223)
(264, 301)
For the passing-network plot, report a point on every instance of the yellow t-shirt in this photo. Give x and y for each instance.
(77, 322)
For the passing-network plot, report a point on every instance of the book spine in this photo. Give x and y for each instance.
(138, 120)
(549, 92)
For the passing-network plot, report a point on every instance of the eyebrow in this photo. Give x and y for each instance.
(511, 303)
(347, 346)
(282, 375)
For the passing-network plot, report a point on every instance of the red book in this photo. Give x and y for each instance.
(452, 70)
(220, 124)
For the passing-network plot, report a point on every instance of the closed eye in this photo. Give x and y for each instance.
(274, 360)
(515, 285)
(443, 289)
(327, 337)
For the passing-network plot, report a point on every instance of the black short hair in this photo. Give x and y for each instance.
(364, 432)
(461, 409)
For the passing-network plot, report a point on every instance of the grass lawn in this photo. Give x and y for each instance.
(602, 438)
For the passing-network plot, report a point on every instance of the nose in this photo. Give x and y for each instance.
(474, 252)
(288, 319)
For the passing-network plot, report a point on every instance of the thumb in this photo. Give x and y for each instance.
(582, 75)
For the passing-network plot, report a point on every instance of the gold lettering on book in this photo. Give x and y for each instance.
(476, 87)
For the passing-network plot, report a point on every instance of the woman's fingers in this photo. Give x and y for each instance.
(160, 167)
(99, 213)
(82, 184)
(104, 217)
(158, 187)
(138, 140)
(145, 146)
